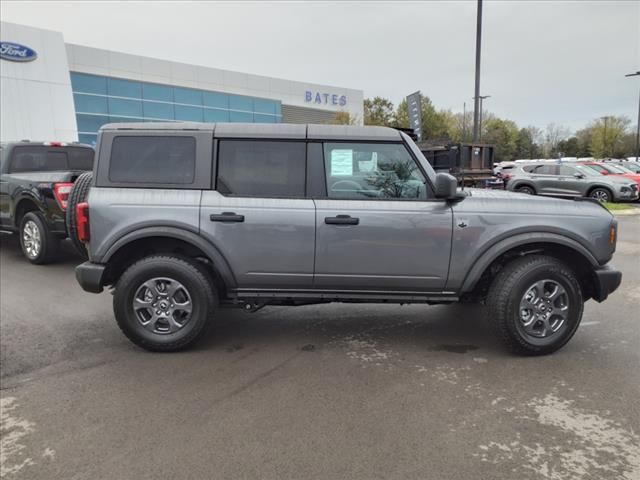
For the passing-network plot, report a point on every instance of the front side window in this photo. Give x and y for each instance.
(364, 171)
(153, 159)
(261, 168)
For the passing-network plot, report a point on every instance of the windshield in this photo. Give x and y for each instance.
(588, 170)
(615, 169)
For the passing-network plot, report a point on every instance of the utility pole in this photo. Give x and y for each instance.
(481, 97)
(476, 102)
(464, 121)
(638, 132)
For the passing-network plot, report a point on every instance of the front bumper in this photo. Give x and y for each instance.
(89, 276)
(606, 281)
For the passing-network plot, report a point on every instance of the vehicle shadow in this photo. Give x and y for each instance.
(455, 328)
(66, 255)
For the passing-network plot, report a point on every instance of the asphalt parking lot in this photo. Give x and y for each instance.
(326, 392)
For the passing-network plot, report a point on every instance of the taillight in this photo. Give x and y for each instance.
(61, 191)
(82, 222)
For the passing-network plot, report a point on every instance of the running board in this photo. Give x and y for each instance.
(373, 296)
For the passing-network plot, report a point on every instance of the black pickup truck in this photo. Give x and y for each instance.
(35, 182)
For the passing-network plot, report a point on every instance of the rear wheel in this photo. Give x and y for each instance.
(526, 189)
(535, 305)
(601, 194)
(163, 303)
(38, 244)
(79, 194)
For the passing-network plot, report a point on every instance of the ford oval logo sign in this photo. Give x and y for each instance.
(16, 52)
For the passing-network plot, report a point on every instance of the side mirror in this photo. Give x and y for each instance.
(446, 186)
(578, 175)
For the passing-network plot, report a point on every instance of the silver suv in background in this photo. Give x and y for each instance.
(570, 180)
(184, 219)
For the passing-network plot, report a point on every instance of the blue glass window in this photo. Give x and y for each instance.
(81, 82)
(187, 95)
(212, 116)
(91, 123)
(279, 108)
(128, 108)
(215, 99)
(87, 138)
(262, 118)
(163, 111)
(191, 114)
(124, 88)
(240, 117)
(237, 102)
(261, 105)
(123, 119)
(90, 103)
(153, 91)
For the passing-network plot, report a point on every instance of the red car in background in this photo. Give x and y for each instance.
(608, 169)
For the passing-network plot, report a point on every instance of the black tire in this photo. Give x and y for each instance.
(47, 242)
(79, 194)
(526, 189)
(601, 194)
(199, 289)
(509, 288)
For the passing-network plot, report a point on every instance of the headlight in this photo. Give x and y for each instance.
(624, 188)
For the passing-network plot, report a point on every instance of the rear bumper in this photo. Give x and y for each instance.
(89, 276)
(606, 281)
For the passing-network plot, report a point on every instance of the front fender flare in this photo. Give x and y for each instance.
(212, 252)
(493, 252)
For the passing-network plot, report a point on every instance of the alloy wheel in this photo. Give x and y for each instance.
(544, 309)
(31, 239)
(162, 305)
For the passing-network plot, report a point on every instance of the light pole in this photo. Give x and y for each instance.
(638, 132)
(476, 96)
(479, 136)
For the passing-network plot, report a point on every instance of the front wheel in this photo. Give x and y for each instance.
(601, 194)
(535, 305)
(163, 303)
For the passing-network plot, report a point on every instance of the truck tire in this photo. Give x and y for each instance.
(79, 194)
(38, 244)
(535, 305)
(163, 303)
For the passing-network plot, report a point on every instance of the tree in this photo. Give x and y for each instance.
(379, 111)
(607, 137)
(584, 137)
(344, 118)
(568, 147)
(526, 146)
(435, 125)
(552, 136)
(504, 135)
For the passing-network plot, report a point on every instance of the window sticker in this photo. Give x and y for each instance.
(341, 162)
(370, 164)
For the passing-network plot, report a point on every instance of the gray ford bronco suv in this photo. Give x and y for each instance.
(183, 219)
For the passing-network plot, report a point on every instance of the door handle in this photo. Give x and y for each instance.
(341, 220)
(226, 217)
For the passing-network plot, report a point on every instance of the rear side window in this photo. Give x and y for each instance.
(261, 168)
(544, 170)
(50, 159)
(153, 159)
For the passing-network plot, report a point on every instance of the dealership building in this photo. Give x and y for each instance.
(52, 90)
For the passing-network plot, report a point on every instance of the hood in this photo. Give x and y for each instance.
(503, 201)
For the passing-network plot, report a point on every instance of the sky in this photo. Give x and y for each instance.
(543, 62)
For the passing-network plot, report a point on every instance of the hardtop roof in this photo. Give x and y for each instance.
(268, 130)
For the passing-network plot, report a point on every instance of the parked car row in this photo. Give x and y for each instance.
(181, 220)
(606, 182)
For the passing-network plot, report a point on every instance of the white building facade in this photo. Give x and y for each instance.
(57, 91)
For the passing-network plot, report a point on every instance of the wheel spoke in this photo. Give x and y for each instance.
(139, 304)
(174, 326)
(183, 307)
(151, 323)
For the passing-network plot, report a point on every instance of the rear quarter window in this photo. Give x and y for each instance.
(167, 160)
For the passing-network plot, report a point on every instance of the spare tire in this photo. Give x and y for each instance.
(79, 194)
